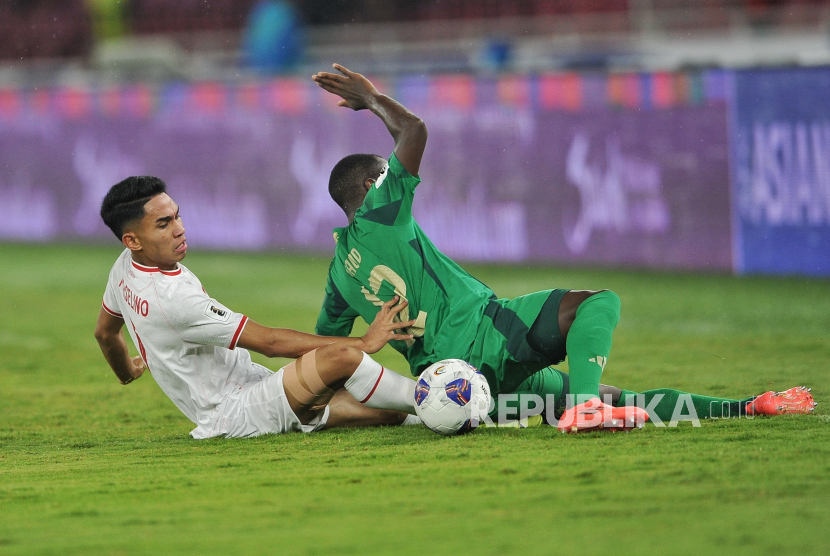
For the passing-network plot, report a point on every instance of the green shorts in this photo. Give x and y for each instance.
(517, 338)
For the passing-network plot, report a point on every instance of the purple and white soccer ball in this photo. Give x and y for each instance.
(452, 397)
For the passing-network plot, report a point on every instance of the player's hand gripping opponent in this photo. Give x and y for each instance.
(356, 91)
(384, 327)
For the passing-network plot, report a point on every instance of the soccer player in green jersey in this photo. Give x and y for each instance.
(383, 252)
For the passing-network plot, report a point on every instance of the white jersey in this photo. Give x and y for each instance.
(186, 339)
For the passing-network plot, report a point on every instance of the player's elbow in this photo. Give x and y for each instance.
(104, 335)
(101, 334)
(273, 349)
(418, 129)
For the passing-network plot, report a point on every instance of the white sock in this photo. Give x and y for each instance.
(412, 420)
(381, 388)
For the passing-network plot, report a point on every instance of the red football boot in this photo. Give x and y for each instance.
(633, 417)
(594, 415)
(795, 400)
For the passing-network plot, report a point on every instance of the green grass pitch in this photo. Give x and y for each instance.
(88, 466)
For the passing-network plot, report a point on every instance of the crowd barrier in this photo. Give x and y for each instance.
(708, 171)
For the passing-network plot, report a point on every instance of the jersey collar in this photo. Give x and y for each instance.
(143, 268)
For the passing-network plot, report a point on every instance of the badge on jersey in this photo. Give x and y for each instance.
(217, 311)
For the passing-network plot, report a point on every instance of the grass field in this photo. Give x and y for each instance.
(91, 467)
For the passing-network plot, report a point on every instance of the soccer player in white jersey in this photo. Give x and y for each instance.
(196, 348)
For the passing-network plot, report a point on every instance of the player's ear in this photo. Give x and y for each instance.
(367, 185)
(131, 241)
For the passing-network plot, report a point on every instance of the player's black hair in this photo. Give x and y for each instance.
(124, 202)
(349, 175)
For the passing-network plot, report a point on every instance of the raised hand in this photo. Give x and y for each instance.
(356, 91)
(384, 327)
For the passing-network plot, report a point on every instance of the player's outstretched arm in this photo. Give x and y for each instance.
(358, 93)
(111, 341)
(284, 342)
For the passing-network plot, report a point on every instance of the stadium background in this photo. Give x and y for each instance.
(676, 151)
(644, 134)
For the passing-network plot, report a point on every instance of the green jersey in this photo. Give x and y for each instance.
(384, 253)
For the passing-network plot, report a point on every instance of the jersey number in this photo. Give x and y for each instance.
(382, 273)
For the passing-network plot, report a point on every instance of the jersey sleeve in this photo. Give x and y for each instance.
(336, 316)
(110, 302)
(201, 320)
(389, 202)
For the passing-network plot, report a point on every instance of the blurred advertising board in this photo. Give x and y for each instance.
(602, 170)
(781, 171)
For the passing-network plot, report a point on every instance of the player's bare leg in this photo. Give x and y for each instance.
(312, 381)
(345, 411)
(568, 306)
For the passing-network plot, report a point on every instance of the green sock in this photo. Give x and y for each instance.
(548, 384)
(589, 343)
(706, 407)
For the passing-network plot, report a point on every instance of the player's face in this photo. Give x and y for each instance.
(160, 234)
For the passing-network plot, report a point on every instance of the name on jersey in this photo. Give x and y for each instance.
(352, 262)
(140, 306)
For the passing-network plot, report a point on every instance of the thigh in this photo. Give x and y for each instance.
(262, 407)
(505, 349)
(568, 306)
(545, 335)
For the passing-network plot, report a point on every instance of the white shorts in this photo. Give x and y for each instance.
(260, 407)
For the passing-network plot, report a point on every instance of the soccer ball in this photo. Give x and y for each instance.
(452, 397)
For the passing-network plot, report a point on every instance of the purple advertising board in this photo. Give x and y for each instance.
(503, 180)
(781, 171)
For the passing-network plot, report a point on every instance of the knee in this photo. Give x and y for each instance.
(612, 299)
(607, 301)
(339, 356)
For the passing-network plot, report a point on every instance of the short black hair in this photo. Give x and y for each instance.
(348, 176)
(124, 202)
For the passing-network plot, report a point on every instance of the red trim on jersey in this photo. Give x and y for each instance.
(238, 332)
(140, 346)
(143, 268)
(375, 387)
(110, 311)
